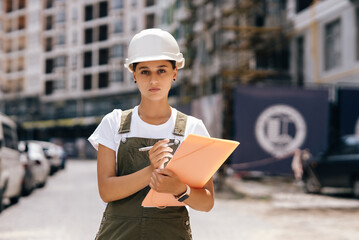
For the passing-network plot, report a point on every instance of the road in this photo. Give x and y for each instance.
(69, 208)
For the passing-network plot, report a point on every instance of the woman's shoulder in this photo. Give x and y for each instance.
(114, 117)
(115, 114)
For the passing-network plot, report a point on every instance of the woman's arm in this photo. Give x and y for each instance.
(112, 187)
(201, 199)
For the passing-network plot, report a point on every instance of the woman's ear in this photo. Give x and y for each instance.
(134, 77)
(175, 73)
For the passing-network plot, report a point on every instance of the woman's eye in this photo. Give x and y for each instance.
(145, 72)
(161, 71)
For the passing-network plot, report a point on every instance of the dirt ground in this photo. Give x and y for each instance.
(289, 213)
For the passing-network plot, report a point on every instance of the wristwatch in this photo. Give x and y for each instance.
(184, 195)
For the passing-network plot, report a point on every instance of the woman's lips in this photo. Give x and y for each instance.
(154, 89)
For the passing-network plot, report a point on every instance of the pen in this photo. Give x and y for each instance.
(143, 149)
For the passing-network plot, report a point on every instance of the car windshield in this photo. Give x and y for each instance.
(347, 145)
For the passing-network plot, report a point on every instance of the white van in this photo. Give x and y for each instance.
(11, 170)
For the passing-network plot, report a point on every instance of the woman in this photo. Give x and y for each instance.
(125, 174)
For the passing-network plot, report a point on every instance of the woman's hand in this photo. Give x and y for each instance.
(166, 181)
(160, 153)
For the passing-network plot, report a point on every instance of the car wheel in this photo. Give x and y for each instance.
(312, 184)
(14, 200)
(356, 188)
(41, 185)
(27, 187)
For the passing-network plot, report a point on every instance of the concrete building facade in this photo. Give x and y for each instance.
(64, 59)
(325, 42)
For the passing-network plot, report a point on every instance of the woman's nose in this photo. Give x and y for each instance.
(153, 79)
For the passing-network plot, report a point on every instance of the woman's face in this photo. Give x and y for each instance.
(154, 78)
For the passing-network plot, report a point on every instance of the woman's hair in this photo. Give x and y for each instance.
(173, 63)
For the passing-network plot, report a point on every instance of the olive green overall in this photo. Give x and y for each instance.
(126, 218)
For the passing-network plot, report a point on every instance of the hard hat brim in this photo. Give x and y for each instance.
(129, 63)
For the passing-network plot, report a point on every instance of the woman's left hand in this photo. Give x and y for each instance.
(166, 181)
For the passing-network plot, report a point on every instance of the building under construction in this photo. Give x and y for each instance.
(231, 43)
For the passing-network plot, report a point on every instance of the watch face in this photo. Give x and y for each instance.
(181, 199)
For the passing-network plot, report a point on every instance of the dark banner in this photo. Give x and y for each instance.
(270, 123)
(348, 102)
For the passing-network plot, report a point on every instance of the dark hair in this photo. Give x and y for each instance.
(173, 63)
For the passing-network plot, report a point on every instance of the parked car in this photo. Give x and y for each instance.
(52, 153)
(11, 169)
(337, 167)
(28, 182)
(63, 156)
(36, 160)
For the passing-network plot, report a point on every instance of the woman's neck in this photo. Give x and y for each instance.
(155, 113)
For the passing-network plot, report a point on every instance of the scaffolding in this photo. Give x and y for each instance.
(256, 32)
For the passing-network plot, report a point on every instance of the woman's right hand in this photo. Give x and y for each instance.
(160, 153)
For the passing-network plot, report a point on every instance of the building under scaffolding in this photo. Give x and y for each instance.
(258, 48)
(234, 42)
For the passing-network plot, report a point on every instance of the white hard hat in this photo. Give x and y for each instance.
(151, 45)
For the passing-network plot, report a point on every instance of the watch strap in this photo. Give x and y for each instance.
(184, 195)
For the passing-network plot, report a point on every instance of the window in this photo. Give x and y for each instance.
(87, 59)
(49, 65)
(21, 22)
(134, 3)
(22, 4)
(117, 3)
(60, 61)
(48, 44)
(88, 12)
(303, 4)
(60, 17)
(134, 24)
(150, 3)
(9, 25)
(10, 139)
(332, 58)
(103, 80)
(150, 20)
(74, 61)
(102, 32)
(74, 83)
(346, 145)
(88, 35)
(49, 87)
(48, 24)
(103, 56)
(118, 26)
(74, 37)
(117, 76)
(87, 82)
(60, 83)
(74, 14)
(61, 39)
(49, 3)
(103, 11)
(8, 5)
(117, 51)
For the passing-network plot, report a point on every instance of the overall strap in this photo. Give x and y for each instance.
(125, 121)
(180, 125)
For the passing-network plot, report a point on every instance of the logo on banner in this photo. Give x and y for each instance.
(280, 129)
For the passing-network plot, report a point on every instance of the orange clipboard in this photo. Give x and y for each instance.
(195, 162)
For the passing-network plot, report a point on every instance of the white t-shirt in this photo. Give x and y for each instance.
(107, 131)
